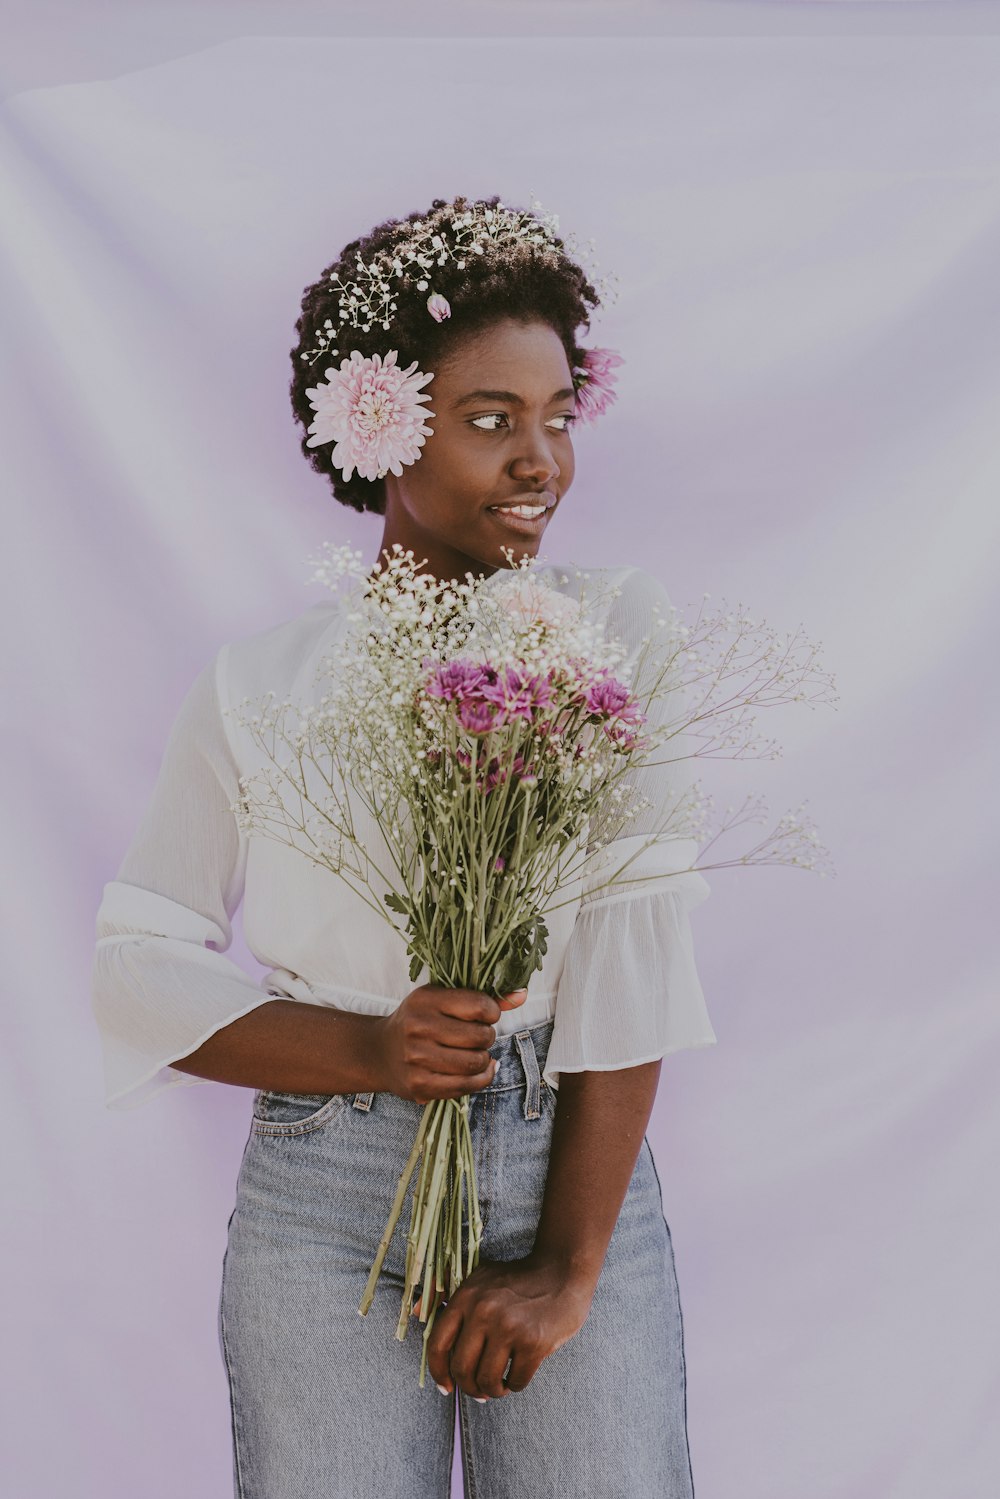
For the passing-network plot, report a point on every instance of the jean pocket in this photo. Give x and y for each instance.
(277, 1113)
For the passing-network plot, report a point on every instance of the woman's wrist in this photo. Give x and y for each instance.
(356, 1053)
(577, 1266)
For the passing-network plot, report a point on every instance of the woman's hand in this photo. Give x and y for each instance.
(436, 1043)
(518, 1310)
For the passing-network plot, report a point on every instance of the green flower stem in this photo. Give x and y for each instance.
(438, 1298)
(514, 863)
(442, 1243)
(429, 1222)
(432, 1279)
(431, 1208)
(455, 1235)
(437, 1107)
(419, 1215)
(447, 1174)
(454, 1216)
(397, 1205)
(475, 1220)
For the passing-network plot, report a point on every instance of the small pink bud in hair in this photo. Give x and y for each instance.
(439, 307)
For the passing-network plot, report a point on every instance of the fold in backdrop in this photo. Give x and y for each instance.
(803, 206)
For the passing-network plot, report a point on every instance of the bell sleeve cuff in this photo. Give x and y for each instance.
(160, 984)
(158, 992)
(629, 990)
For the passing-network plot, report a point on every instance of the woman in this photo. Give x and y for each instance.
(565, 1344)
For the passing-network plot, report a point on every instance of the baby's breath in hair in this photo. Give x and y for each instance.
(368, 300)
(481, 259)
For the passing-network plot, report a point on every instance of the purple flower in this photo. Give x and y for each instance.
(519, 693)
(478, 716)
(439, 307)
(595, 380)
(612, 699)
(624, 736)
(496, 774)
(458, 680)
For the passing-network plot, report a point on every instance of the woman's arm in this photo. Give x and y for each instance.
(534, 1305)
(293, 1047)
(600, 1122)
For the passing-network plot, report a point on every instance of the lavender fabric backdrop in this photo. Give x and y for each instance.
(805, 217)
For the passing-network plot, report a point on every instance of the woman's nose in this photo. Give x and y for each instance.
(537, 461)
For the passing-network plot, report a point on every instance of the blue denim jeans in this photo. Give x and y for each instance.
(327, 1404)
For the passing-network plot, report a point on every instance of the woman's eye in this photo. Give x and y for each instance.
(566, 417)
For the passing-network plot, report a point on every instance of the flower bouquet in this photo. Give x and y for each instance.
(497, 739)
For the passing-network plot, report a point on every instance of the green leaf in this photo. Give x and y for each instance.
(528, 946)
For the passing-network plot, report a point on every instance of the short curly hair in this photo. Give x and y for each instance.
(513, 281)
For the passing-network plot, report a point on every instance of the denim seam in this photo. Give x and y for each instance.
(240, 1491)
(469, 1485)
(300, 1126)
(487, 1153)
(680, 1314)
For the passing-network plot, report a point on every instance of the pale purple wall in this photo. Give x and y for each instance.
(807, 231)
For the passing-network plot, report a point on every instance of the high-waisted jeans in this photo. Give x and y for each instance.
(327, 1404)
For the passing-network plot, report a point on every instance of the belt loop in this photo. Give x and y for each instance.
(529, 1061)
(363, 1100)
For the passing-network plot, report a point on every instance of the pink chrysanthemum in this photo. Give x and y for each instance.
(612, 699)
(519, 693)
(371, 411)
(595, 390)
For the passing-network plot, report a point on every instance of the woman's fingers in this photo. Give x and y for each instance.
(419, 1301)
(494, 1362)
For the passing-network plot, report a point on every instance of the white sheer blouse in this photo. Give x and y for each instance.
(618, 979)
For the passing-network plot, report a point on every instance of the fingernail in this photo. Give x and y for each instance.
(442, 1388)
(480, 1399)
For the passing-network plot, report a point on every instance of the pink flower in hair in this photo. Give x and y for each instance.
(595, 380)
(371, 411)
(439, 307)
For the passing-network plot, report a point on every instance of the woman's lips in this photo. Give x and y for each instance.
(525, 525)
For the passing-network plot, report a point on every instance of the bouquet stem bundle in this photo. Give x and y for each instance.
(434, 1243)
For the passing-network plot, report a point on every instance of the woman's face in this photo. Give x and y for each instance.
(503, 404)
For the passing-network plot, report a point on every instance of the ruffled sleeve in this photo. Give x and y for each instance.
(160, 983)
(629, 990)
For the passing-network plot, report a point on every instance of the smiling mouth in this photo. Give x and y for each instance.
(529, 506)
(526, 512)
